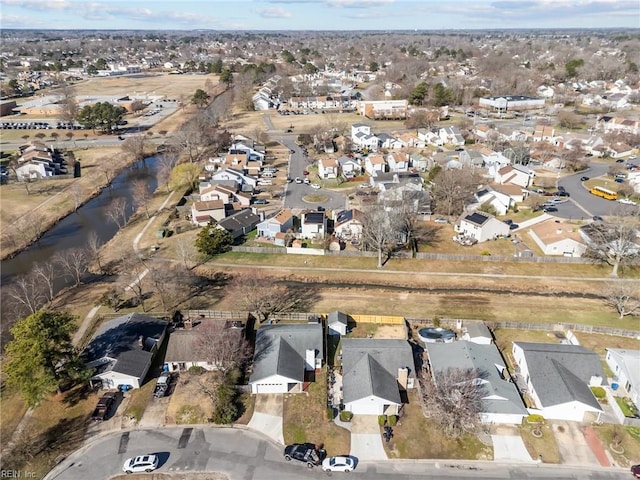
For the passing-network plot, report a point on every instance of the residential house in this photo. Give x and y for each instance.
(544, 133)
(217, 192)
(420, 162)
(337, 323)
(122, 350)
(625, 365)
(430, 137)
(481, 227)
(618, 124)
(375, 164)
(328, 168)
(558, 379)
(243, 182)
(476, 331)
(347, 224)
(239, 223)
(619, 150)
(398, 162)
(203, 212)
(252, 150)
(390, 142)
(501, 401)
(362, 137)
(375, 374)
(472, 158)
(515, 174)
(383, 109)
(594, 145)
(451, 136)
(285, 357)
(313, 225)
(558, 238)
(350, 167)
(282, 222)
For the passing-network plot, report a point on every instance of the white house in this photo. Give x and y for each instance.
(625, 365)
(559, 378)
(516, 174)
(362, 137)
(429, 137)
(347, 224)
(558, 238)
(328, 168)
(481, 227)
(349, 167)
(279, 223)
(284, 353)
(313, 225)
(374, 374)
(203, 212)
(476, 331)
(375, 163)
(398, 162)
(501, 202)
(501, 401)
(122, 350)
(451, 136)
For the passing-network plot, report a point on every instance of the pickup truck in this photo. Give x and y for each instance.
(104, 405)
(162, 385)
(305, 453)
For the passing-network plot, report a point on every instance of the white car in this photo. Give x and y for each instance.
(316, 186)
(441, 220)
(141, 463)
(626, 201)
(298, 180)
(307, 181)
(338, 464)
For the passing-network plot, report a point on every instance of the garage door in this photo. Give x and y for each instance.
(271, 388)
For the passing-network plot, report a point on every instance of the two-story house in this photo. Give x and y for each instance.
(282, 222)
(328, 168)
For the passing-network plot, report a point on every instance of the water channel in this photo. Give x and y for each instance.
(74, 230)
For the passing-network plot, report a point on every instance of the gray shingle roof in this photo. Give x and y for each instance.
(629, 362)
(370, 367)
(337, 317)
(561, 373)
(281, 350)
(118, 339)
(477, 329)
(499, 394)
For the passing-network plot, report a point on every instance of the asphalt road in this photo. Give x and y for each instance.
(244, 455)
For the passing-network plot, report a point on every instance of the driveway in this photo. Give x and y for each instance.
(574, 449)
(366, 440)
(267, 416)
(508, 445)
(155, 413)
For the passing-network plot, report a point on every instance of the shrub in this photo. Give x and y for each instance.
(330, 414)
(598, 392)
(195, 370)
(486, 253)
(189, 414)
(382, 419)
(535, 418)
(346, 416)
(392, 420)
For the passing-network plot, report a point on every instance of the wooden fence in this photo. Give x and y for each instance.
(378, 319)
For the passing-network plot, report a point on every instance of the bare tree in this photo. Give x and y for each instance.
(624, 297)
(26, 294)
(614, 242)
(167, 161)
(224, 347)
(68, 104)
(117, 212)
(135, 146)
(264, 296)
(452, 398)
(452, 189)
(107, 169)
(47, 272)
(135, 271)
(73, 262)
(141, 195)
(379, 231)
(185, 250)
(173, 285)
(94, 246)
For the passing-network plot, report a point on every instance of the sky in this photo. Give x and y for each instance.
(317, 14)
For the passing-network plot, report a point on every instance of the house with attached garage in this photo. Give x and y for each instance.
(558, 379)
(286, 357)
(376, 374)
(625, 365)
(501, 402)
(481, 227)
(239, 223)
(350, 167)
(375, 164)
(362, 137)
(557, 238)
(348, 224)
(515, 174)
(328, 168)
(282, 222)
(122, 350)
(313, 225)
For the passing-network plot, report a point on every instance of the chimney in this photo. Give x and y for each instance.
(403, 377)
(558, 231)
(141, 341)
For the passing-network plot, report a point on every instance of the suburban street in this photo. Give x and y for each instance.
(244, 455)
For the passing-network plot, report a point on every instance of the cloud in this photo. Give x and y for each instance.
(273, 12)
(41, 5)
(17, 21)
(340, 3)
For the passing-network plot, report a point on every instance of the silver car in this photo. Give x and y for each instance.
(141, 463)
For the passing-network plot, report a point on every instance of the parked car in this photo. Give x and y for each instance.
(141, 463)
(260, 201)
(306, 453)
(298, 180)
(320, 208)
(619, 180)
(584, 179)
(307, 181)
(338, 464)
(315, 186)
(305, 172)
(441, 220)
(508, 221)
(635, 471)
(549, 209)
(619, 160)
(104, 405)
(513, 226)
(597, 218)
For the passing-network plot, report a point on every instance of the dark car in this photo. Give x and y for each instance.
(619, 160)
(584, 179)
(104, 405)
(597, 218)
(260, 201)
(635, 471)
(619, 180)
(320, 208)
(513, 226)
(306, 453)
(563, 193)
(305, 172)
(561, 188)
(549, 209)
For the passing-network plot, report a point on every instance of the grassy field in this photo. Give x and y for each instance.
(433, 443)
(12, 408)
(305, 419)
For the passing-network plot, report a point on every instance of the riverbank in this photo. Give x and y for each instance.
(26, 215)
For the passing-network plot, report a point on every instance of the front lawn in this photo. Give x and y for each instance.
(139, 399)
(305, 419)
(544, 448)
(415, 436)
(626, 406)
(629, 442)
